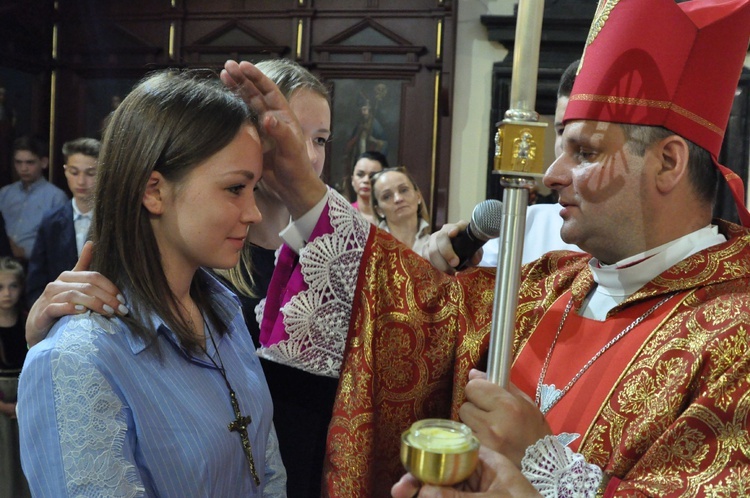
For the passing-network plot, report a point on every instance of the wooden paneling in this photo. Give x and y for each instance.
(106, 45)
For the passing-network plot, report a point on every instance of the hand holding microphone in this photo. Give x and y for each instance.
(486, 219)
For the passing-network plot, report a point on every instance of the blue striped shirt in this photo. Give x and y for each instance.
(101, 415)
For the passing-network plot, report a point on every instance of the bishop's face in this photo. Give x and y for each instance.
(604, 196)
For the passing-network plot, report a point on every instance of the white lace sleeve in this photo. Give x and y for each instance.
(556, 471)
(317, 319)
(90, 418)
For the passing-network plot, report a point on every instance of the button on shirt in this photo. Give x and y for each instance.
(81, 223)
(23, 209)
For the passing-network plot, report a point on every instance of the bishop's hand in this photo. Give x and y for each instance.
(506, 421)
(494, 477)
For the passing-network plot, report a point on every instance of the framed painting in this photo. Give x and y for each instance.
(366, 116)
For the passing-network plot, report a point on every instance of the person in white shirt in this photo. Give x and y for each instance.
(62, 231)
(543, 221)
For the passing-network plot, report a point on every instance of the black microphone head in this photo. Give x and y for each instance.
(487, 218)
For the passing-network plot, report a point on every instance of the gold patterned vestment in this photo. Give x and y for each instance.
(674, 423)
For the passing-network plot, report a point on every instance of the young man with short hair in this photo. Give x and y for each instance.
(63, 231)
(24, 202)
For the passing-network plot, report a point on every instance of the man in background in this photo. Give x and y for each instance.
(543, 222)
(24, 202)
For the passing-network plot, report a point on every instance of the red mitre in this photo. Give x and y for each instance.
(660, 63)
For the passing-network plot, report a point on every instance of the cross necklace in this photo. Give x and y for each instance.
(240, 422)
(547, 396)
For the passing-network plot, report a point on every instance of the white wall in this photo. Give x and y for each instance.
(472, 88)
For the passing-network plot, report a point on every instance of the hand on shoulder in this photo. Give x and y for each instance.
(73, 292)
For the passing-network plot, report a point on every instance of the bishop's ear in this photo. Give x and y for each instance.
(153, 197)
(673, 152)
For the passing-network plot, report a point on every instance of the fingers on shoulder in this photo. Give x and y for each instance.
(78, 297)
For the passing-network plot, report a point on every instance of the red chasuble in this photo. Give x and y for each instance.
(669, 418)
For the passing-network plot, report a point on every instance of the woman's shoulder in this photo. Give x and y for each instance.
(85, 334)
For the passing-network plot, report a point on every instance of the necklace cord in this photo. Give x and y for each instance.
(548, 396)
(240, 423)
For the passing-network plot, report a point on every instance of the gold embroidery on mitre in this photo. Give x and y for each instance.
(603, 10)
(659, 104)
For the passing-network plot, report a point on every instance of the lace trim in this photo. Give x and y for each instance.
(317, 319)
(90, 417)
(259, 310)
(556, 471)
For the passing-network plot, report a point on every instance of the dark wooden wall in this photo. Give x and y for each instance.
(104, 46)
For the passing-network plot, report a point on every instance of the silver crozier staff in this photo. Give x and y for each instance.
(444, 452)
(519, 156)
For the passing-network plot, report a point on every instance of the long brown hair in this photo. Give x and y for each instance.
(170, 122)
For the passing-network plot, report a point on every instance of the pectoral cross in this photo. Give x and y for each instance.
(239, 425)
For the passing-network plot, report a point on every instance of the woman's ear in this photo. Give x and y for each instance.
(153, 196)
(673, 152)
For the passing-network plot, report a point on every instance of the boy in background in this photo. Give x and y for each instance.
(24, 202)
(63, 231)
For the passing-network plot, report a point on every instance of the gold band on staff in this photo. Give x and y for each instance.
(519, 152)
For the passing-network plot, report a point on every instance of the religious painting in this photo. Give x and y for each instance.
(366, 117)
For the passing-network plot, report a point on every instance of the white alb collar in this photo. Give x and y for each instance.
(625, 277)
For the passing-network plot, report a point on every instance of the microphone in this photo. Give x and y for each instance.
(484, 225)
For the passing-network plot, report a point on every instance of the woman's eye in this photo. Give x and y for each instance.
(236, 189)
(320, 141)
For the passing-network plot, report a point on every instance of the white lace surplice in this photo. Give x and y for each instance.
(317, 319)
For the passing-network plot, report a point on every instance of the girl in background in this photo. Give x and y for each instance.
(302, 401)
(12, 353)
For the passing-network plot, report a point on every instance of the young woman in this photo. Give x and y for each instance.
(400, 208)
(369, 162)
(302, 401)
(12, 354)
(309, 100)
(170, 399)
